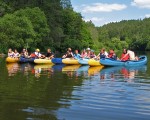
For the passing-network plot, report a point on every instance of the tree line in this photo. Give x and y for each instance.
(54, 24)
(132, 34)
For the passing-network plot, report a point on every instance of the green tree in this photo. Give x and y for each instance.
(22, 27)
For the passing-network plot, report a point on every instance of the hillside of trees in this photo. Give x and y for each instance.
(133, 34)
(54, 24)
(41, 24)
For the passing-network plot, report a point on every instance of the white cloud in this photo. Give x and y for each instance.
(147, 15)
(97, 21)
(141, 3)
(103, 7)
(94, 19)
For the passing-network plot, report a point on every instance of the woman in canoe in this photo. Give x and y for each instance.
(124, 56)
(24, 53)
(10, 53)
(38, 54)
(16, 54)
(83, 54)
(112, 54)
(49, 54)
(77, 55)
(92, 54)
(131, 55)
(69, 54)
(88, 52)
(102, 54)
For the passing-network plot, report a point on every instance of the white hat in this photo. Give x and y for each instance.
(88, 49)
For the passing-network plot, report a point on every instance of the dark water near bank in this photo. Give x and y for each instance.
(41, 92)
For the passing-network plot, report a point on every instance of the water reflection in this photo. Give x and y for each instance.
(44, 70)
(128, 73)
(12, 68)
(83, 70)
(94, 70)
(74, 92)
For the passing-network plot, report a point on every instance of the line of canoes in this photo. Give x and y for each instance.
(91, 62)
(67, 61)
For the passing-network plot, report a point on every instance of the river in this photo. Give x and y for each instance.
(58, 92)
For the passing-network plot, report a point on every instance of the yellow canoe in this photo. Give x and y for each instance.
(94, 70)
(70, 61)
(93, 62)
(11, 60)
(70, 68)
(42, 61)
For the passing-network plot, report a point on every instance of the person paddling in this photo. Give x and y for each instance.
(124, 56)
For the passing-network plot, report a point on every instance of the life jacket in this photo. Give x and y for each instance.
(124, 58)
(102, 55)
(33, 55)
(110, 55)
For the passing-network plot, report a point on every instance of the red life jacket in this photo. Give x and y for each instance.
(124, 58)
(33, 55)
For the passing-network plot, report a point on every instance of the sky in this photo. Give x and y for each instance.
(101, 12)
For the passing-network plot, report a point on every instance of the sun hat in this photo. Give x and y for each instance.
(38, 50)
(88, 49)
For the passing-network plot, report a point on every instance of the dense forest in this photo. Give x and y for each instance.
(54, 24)
(133, 34)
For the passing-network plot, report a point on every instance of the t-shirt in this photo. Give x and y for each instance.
(38, 54)
(102, 55)
(69, 55)
(77, 56)
(16, 54)
(11, 54)
(49, 54)
(106, 54)
(131, 55)
(83, 55)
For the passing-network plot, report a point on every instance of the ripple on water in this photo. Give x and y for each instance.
(109, 99)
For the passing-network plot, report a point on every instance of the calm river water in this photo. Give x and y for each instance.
(58, 92)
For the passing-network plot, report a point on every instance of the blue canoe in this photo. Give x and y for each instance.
(25, 60)
(57, 60)
(83, 61)
(111, 62)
